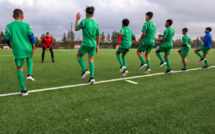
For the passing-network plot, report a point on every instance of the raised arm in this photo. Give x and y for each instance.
(78, 16)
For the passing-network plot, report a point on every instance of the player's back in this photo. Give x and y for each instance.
(18, 32)
(90, 32)
(170, 33)
(151, 30)
(128, 34)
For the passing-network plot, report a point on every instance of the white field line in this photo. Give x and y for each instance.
(132, 82)
(99, 82)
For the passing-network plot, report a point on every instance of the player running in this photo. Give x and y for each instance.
(166, 45)
(19, 36)
(206, 48)
(124, 44)
(146, 41)
(185, 48)
(91, 41)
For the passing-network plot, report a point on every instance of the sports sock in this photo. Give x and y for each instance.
(159, 56)
(141, 59)
(21, 80)
(206, 62)
(29, 65)
(185, 66)
(81, 62)
(199, 55)
(119, 59)
(168, 63)
(148, 63)
(91, 64)
(124, 60)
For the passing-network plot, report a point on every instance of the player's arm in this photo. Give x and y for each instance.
(77, 27)
(51, 43)
(8, 42)
(32, 40)
(43, 42)
(119, 40)
(205, 39)
(98, 43)
(141, 38)
(7, 37)
(184, 42)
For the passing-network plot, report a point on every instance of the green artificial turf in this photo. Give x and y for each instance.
(178, 103)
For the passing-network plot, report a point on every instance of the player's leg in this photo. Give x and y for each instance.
(119, 59)
(43, 54)
(148, 50)
(91, 54)
(206, 61)
(125, 71)
(167, 53)
(197, 52)
(30, 69)
(140, 49)
(81, 52)
(20, 75)
(184, 53)
(180, 52)
(160, 49)
(52, 54)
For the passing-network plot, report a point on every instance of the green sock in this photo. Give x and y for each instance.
(21, 80)
(185, 66)
(159, 56)
(168, 63)
(199, 55)
(30, 66)
(124, 60)
(119, 59)
(148, 63)
(81, 62)
(141, 59)
(91, 64)
(206, 62)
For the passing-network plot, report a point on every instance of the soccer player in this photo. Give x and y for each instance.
(166, 45)
(205, 49)
(124, 44)
(19, 36)
(147, 41)
(91, 41)
(47, 42)
(185, 48)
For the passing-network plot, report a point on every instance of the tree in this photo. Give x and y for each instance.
(103, 38)
(41, 38)
(114, 37)
(71, 34)
(2, 38)
(64, 39)
(108, 38)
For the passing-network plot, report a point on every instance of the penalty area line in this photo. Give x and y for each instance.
(99, 82)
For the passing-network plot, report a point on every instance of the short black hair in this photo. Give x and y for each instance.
(169, 21)
(150, 14)
(17, 13)
(90, 10)
(125, 22)
(185, 29)
(47, 33)
(209, 28)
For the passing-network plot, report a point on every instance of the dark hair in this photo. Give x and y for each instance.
(150, 14)
(90, 10)
(169, 21)
(125, 22)
(209, 28)
(47, 32)
(185, 29)
(17, 13)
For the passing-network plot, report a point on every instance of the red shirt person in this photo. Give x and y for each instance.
(47, 42)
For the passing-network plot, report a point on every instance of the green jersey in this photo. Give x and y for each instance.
(90, 31)
(127, 36)
(168, 35)
(149, 28)
(17, 32)
(186, 40)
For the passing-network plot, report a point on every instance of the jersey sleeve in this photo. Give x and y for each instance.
(98, 31)
(121, 31)
(144, 28)
(165, 34)
(80, 25)
(29, 30)
(7, 33)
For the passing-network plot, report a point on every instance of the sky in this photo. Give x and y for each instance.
(55, 16)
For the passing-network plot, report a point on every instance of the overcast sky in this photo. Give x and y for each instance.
(55, 16)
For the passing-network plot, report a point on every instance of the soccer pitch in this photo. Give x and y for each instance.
(181, 102)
